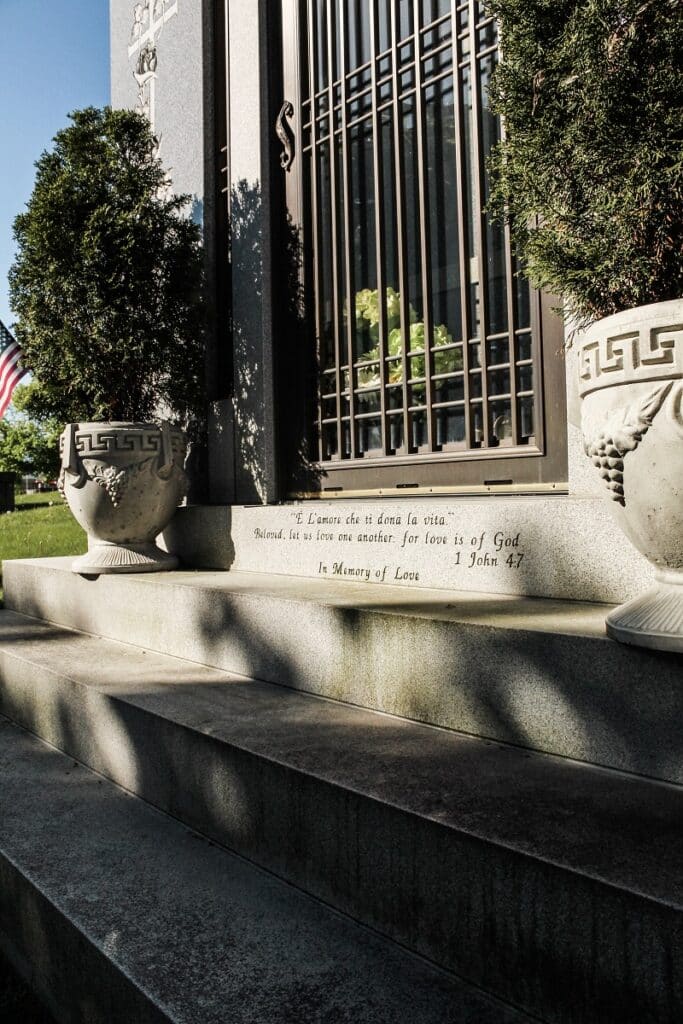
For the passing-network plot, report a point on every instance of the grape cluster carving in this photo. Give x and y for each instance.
(114, 481)
(608, 444)
(609, 460)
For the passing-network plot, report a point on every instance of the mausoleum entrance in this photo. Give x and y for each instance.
(436, 379)
(436, 366)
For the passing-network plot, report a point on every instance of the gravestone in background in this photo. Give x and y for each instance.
(6, 492)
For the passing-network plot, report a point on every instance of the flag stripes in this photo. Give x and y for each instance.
(10, 370)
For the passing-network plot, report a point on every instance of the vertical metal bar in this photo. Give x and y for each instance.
(538, 350)
(380, 240)
(509, 278)
(400, 219)
(480, 222)
(424, 223)
(226, 51)
(348, 246)
(512, 321)
(315, 211)
(334, 235)
(219, 352)
(461, 200)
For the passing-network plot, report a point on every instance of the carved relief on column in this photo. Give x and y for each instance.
(149, 18)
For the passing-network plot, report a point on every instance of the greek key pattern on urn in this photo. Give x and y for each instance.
(140, 440)
(649, 354)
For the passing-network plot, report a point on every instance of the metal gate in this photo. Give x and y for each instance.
(437, 366)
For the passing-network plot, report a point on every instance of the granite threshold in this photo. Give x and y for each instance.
(496, 610)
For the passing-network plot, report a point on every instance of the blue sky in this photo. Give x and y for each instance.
(54, 58)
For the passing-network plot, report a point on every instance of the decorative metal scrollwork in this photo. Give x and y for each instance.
(285, 135)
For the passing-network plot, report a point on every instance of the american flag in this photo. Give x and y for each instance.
(10, 371)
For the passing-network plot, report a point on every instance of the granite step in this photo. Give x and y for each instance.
(120, 915)
(528, 671)
(554, 885)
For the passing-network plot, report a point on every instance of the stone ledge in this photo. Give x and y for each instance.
(121, 914)
(530, 672)
(561, 547)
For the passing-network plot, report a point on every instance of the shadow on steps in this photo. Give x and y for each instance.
(18, 1004)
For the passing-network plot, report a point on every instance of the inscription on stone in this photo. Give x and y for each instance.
(513, 546)
(394, 547)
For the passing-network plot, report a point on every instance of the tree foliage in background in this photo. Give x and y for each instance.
(591, 169)
(29, 445)
(107, 281)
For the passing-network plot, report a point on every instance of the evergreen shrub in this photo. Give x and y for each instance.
(107, 281)
(590, 172)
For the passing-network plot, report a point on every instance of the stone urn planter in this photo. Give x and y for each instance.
(123, 482)
(631, 386)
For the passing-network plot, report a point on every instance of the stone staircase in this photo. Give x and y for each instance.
(456, 808)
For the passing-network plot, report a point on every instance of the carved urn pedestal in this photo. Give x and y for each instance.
(123, 482)
(631, 385)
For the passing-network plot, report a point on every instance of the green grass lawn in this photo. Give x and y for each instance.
(41, 526)
(44, 498)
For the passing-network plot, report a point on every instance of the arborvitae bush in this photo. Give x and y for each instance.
(107, 280)
(591, 169)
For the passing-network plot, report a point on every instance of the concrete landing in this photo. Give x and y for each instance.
(553, 884)
(124, 916)
(528, 671)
